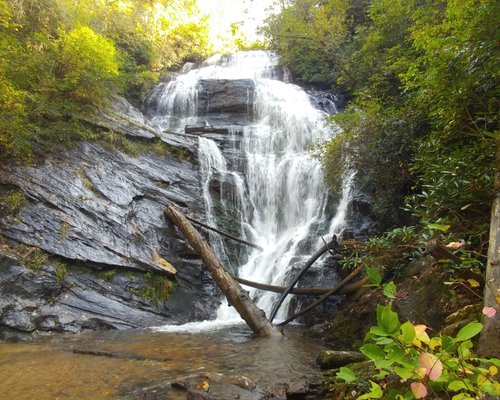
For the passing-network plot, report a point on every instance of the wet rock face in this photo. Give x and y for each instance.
(34, 302)
(104, 209)
(217, 96)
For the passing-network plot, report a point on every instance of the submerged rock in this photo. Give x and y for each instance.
(216, 386)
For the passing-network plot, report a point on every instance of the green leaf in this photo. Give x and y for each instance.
(375, 392)
(455, 386)
(383, 340)
(462, 396)
(404, 373)
(381, 363)
(388, 320)
(468, 331)
(439, 227)
(346, 374)
(372, 351)
(389, 290)
(374, 275)
(408, 333)
(494, 361)
(378, 331)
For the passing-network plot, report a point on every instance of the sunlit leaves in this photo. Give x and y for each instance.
(87, 60)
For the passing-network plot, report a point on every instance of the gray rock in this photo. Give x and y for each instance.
(218, 96)
(102, 207)
(125, 118)
(33, 302)
(105, 209)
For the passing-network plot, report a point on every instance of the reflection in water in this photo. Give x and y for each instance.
(50, 370)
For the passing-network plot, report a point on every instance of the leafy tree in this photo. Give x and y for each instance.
(308, 36)
(86, 64)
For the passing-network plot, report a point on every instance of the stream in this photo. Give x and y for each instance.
(49, 369)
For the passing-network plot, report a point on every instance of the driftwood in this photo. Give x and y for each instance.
(324, 297)
(326, 247)
(225, 234)
(303, 291)
(235, 294)
(108, 354)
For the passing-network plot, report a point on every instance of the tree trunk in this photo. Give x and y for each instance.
(326, 247)
(225, 234)
(489, 343)
(331, 292)
(235, 294)
(348, 289)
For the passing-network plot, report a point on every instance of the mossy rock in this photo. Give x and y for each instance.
(338, 358)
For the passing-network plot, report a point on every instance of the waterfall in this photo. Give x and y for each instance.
(267, 185)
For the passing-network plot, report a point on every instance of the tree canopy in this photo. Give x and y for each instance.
(421, 125)
(61, 59)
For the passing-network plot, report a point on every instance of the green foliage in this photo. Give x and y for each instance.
(12, 202)
(441, 364)
(455, 184)
(308, 36)
(61, 60)
(157, 289)
(346, 374)
(32, 257)
(422, 126)
(61, 271)
(86, 64)
(107, 275)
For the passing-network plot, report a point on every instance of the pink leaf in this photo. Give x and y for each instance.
(431, 363)
(489, 311)
(419, 390)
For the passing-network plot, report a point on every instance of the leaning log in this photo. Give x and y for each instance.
(235, 294)
(324, 297)
(225, 234)
(326, 247)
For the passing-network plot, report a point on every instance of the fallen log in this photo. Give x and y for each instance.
(347, 289)
(326, 247)
(235, 294)
(225, 234)
(324, 297)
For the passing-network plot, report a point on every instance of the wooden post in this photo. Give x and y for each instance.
(235, 294)
(489, 344)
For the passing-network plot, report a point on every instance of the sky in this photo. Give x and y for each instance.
(224, 12)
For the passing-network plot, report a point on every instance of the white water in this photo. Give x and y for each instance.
(281, 200)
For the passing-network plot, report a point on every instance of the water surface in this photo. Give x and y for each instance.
(48, 369)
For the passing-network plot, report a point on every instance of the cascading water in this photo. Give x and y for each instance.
(277, 198)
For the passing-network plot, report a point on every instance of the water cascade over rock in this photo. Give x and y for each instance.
(259, 180)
